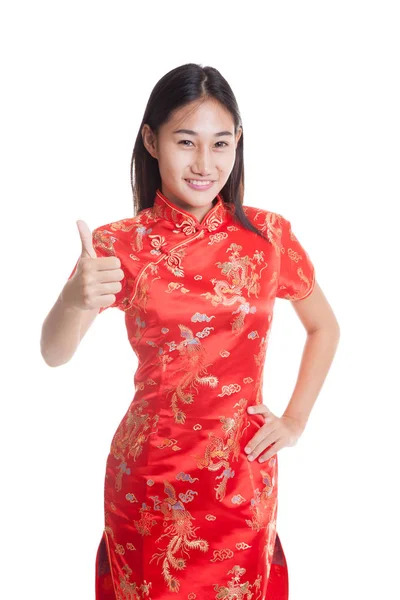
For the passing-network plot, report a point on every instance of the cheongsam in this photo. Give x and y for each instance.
(186, 514)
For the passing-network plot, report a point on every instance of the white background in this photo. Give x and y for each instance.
(318, 88)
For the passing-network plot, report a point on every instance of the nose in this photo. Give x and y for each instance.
(202, 163)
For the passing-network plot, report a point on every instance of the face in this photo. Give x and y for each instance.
(207, 152)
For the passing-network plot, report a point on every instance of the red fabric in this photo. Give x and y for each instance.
(187, 515)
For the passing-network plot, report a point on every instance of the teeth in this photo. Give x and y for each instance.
(198, 182)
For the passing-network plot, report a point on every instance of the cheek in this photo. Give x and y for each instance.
(231, 159)
(225, 161)
(171, 163)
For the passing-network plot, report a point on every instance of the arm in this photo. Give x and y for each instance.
(98, 278)
(63, 330)
(323, 335)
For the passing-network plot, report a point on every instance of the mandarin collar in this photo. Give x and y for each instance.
(184, 220)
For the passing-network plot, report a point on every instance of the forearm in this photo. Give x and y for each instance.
(60, 333)
(319, 351)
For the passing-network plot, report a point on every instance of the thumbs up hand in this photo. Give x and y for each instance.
(87, 242)
(95, 280)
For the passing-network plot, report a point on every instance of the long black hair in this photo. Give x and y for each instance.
(178, 87)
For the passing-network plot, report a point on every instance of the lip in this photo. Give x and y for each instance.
(194, 179)
(198, 187)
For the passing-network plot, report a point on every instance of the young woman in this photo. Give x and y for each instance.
(190, 495)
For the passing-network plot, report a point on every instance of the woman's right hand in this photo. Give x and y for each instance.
(96, 280)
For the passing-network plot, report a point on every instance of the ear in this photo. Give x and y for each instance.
(149, 140)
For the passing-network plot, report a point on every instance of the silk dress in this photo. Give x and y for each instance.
(186, 514)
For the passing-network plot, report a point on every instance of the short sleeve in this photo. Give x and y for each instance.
(107, 243)
(297, 273)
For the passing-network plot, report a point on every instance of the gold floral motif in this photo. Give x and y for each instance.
(143, 285)
(293, 255)
(168, 443)
(131, 590)
(119, 549)
(242, 546)
(130, 546)
(217, 237)
(183, 221)
(267, 222)
(188, 225)
(157, 242)
(220, 555)
(194, 370)
(235, 590)
(264, 501)
(136, 241)
(224, 449)
(228, 390)
(238, 499)
(242, 272)
(146, 521)
(180, 532)
(173, 261)
(172, 286)
(130, 436)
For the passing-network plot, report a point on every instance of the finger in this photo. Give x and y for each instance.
(279, 444)
(263, 433)
(87, 240)
(258, 444)
(259, 409)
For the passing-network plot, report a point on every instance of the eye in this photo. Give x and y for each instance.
(184, 141)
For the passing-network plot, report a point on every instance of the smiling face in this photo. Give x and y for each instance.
(197, 143)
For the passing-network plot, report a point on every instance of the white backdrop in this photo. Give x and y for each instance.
(318, 88)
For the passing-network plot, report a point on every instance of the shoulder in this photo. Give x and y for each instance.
(269, 222)
(123, 229)
(113, 239)
(122, 226)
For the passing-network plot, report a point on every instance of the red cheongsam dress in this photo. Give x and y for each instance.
(186, 514)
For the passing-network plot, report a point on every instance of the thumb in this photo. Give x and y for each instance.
(86, 239)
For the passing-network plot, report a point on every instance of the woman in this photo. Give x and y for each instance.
(190, 495)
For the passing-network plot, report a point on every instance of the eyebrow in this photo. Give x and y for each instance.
(191, 132)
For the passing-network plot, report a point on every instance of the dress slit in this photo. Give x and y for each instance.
(104, 583)
(278, 580)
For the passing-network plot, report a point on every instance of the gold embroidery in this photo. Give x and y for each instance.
(263, 503)
(221, 449)
(241, 272)
(180, 531)
(217, 237)
(130, 436)
(131, 590)
(236, 590)
(221, 555)
(169, 443)
(228, 390)
(194, 369)
(242, 546)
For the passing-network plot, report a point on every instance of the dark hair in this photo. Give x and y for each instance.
(175, 89)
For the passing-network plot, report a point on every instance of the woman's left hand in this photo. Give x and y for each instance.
(277, 432)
